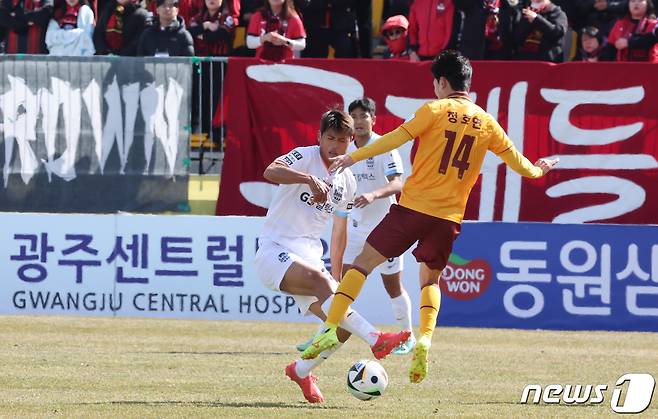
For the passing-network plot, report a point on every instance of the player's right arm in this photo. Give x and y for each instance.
(505, 149)
(385, 143)
(286, 170)
(420, 123)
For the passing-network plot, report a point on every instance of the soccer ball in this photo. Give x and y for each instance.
(367, 379)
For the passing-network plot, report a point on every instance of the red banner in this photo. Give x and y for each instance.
(600, 119)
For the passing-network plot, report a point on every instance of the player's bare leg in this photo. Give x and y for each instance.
(430, 303)
(303, 279)
(346, 293)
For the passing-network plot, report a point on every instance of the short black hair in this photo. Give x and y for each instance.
(593, 32)
(159, 3)
(339, 121)
(455, 68)
(365, 103)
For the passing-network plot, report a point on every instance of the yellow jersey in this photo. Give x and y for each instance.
(454, 136)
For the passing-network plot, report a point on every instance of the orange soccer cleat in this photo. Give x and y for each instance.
(387, 341)
(311, 392)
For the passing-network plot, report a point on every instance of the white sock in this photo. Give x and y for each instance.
(402, 310)
(320, 330)
(355, 324)
(303, 367)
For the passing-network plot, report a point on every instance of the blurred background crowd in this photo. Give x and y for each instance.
(279, 30)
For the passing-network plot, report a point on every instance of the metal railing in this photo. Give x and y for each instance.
(207, 137)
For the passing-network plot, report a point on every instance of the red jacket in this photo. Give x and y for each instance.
(626, 28)
(219, 42)
(430, 26)
(292, 28)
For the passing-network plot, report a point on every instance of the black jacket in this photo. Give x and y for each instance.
(551, 25)
(471, 22)
(606, 53)
(346, 17)
(23, 23)
(135, 20)
(174, 40)
(604, 20)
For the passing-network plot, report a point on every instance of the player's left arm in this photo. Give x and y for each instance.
(337, 245)
(521, 165)
(393, 187)
(505, 149)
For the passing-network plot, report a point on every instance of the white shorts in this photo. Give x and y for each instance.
(356, 238)
(273, 260)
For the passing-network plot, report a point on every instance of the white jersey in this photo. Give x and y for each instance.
(371, 174)
(293, 219)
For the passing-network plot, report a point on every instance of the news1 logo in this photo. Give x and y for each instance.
(638, 394)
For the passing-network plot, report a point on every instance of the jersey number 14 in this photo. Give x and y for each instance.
(460, 160)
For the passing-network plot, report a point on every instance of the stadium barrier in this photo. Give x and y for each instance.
(511, 275)
(77, 141)
(97, 134)
(599, 118)
(207, 112)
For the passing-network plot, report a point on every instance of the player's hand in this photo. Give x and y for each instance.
(319, 189)
(364, 200)
(546, 164)
(338, 164)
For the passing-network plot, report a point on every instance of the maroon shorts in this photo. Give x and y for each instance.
(402, 227)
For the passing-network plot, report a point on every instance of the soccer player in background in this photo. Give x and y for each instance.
(454, 136)
(377, 182)
(289, 256)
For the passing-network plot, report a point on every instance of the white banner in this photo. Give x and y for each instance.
(151, 266)
(113, 132)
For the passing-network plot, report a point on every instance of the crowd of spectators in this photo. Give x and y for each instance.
(276, 30)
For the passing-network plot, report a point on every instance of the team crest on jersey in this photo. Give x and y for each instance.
(284, 257)
(338, 194)
(370, 163)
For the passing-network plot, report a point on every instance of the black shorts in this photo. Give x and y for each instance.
(402, 227)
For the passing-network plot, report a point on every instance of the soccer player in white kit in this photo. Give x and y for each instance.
(289, 257)
(378, 180)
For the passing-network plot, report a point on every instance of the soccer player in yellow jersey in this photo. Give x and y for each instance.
(454, 136)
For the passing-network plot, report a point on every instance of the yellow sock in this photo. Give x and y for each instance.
(430, 302)
(347, 291)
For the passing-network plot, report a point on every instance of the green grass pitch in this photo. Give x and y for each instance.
(91, 367)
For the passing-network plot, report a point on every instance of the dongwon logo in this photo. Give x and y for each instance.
(464, 279)
(637, 396)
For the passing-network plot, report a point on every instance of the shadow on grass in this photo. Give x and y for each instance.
(229, 353)
(494, 403)
(258, 405)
